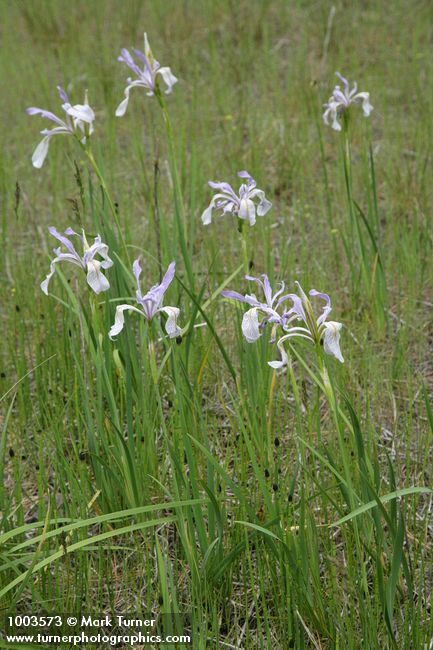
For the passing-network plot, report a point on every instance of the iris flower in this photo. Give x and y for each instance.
(251, 325)
(341, 100)
(146, 76)
(242, 205)
(150, 304)
(78, 122)
(317, 330)
(95, 278)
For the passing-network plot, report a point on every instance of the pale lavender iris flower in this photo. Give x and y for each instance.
(150, 304)
(318, 329)
(269, 310)
(146, 76)
(95, 278)
(242, 205)
(78, 122)
(341, 100)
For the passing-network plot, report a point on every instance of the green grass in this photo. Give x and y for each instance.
(146, 475)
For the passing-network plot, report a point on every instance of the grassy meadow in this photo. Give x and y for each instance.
(145, 474)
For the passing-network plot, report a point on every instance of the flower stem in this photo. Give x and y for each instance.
(333, 404)
(354, 220)
(177, 189)
(103, 184)
(244, 246)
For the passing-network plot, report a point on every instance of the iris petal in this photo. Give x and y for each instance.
(250, 325)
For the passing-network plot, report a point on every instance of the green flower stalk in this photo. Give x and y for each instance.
(148, 76)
